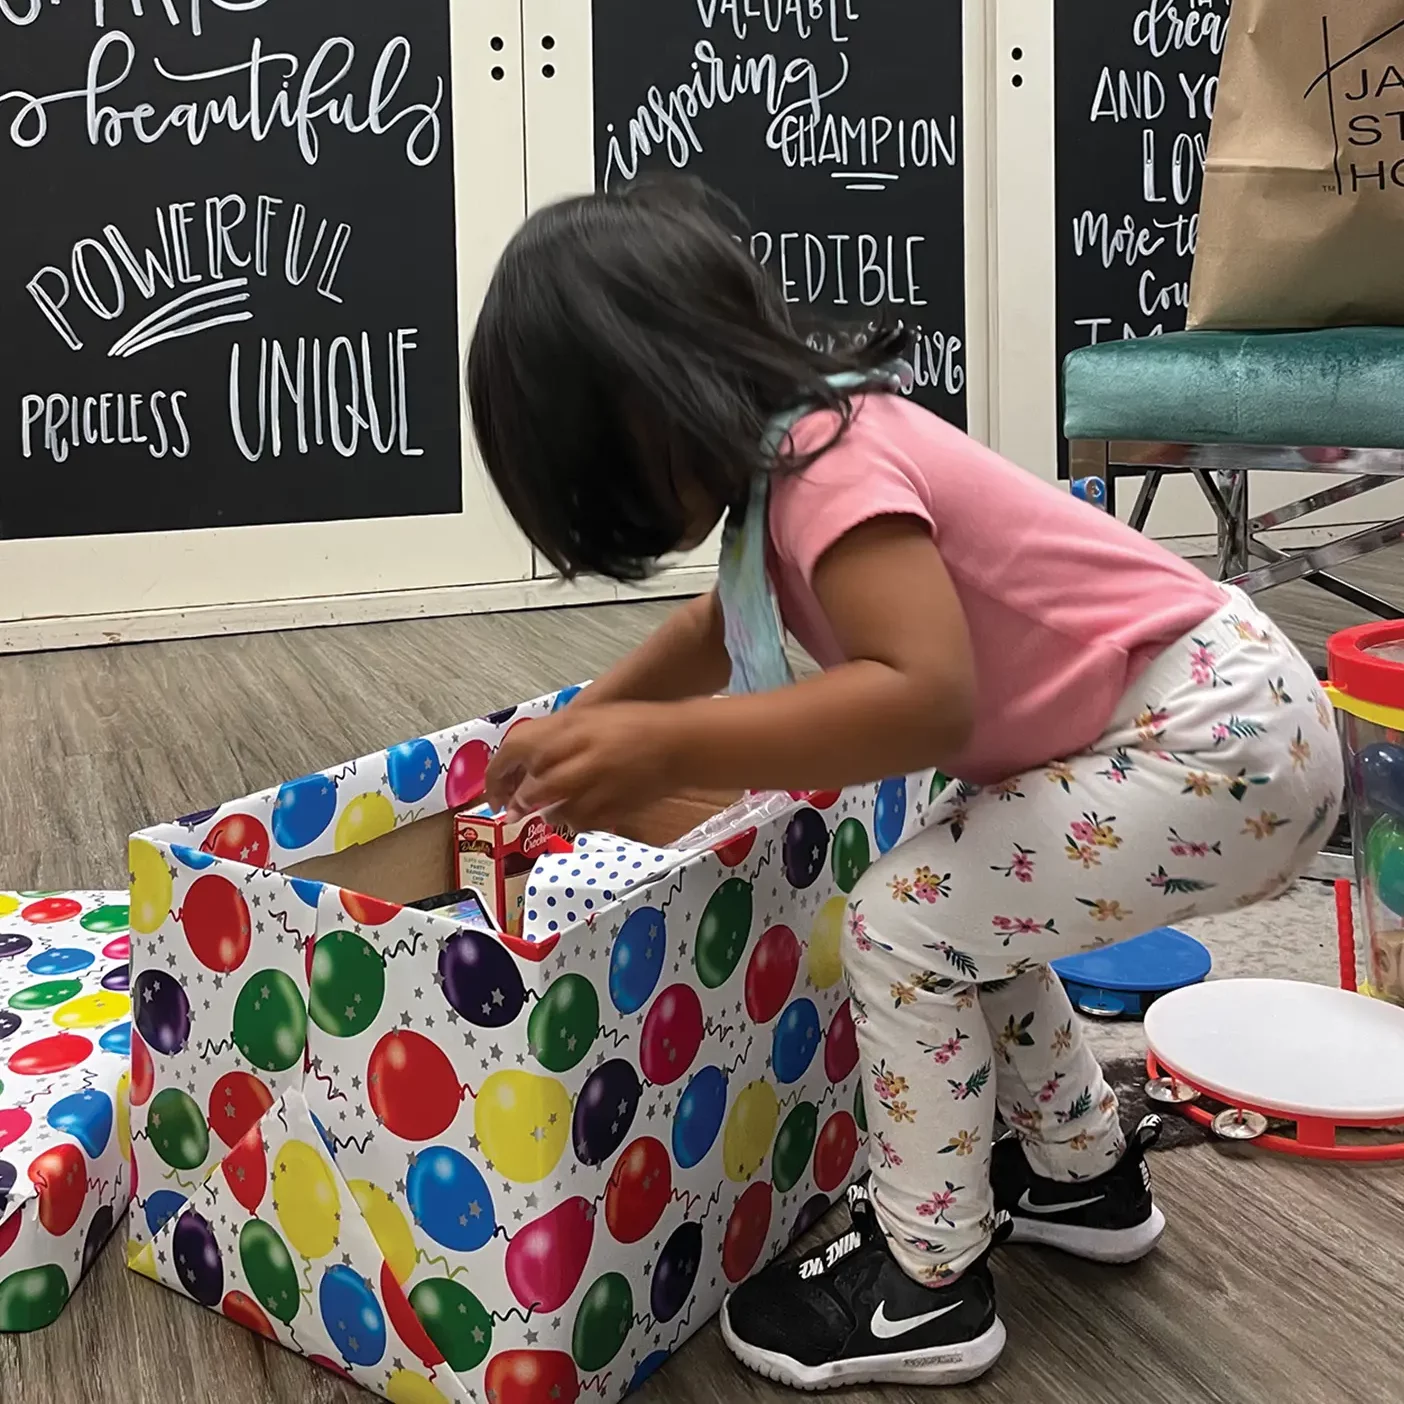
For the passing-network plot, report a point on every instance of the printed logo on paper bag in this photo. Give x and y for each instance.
(1365, 100)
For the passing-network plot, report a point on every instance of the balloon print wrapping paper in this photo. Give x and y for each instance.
(454, 1164)
(65, 1024)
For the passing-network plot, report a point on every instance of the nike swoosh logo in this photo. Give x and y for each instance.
(1063, 1206)
(885, 1329)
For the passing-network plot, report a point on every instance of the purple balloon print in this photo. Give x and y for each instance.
(162, 1012)
(604, 1111)
(13, 944)
(197, 1259)
(676, 1273)
(118, 978)
(481, 980)
(99, 1227)
(806, 847)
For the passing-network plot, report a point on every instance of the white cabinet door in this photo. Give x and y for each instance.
(236, 328)
(850, 132)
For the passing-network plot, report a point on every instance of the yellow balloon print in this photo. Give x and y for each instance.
(142, 1260)
(404, 1387)
(749, 1131)
(306, 1199)
(367, 817)
(8, 903)
(523, 1122)
(825, 962)
(151, 887)
(124, 1115)
(387, 1223)
(90, 1011)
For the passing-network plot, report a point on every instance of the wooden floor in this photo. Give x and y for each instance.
(1276, 1281)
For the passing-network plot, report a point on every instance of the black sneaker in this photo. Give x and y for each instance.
(849, 1315)
(1109, 1219)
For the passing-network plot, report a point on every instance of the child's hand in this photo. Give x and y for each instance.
(588, 766)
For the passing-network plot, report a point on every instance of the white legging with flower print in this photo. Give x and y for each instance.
(1212, 788)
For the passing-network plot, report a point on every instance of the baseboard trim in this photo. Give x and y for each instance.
(268, 616)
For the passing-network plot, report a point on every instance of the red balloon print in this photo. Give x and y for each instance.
(9, 1231)
(546, 1259)
(407, 1325)
(770, 975)
(639, 1189)
(119, 948)
(368, 911)
(413, 1088)
(672, 1034)
(248, 1314)
(824, 799)
(237, 1102)
(246, 1170)
(143, 1073)
(840, 1045)
(331, 1365)
(736, 850)
(51, 909)
(746, 1231)
(467, 774)
(51, 1055)
(240, 837)
(833, 1156)
(60, 1174)
(14, 1122)
(216, 921)
(532, 1377)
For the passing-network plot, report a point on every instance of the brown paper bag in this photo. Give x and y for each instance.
(1302, 217)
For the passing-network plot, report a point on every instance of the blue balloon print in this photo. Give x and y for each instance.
(796, 1041)
(413, 768)
(564, 698)
(450, 1200)
(117, 1039)
(890, 814)
(636, 962)
(701, 1110)
(352, 1316)
(326, 1140)
(161, 1207)
(87, 1117)
(649, 1365)
(192, 857)
(303, 809)
(307, 890)
(65, 960)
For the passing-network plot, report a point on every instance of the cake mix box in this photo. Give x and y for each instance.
(496, 855)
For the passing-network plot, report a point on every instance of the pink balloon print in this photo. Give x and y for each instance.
(546, 1260)
(672, 1034)
(14, 1122)
(841, 1045)
(119, 948)
(467, 773)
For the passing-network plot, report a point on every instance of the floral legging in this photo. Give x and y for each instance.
(1212, 788)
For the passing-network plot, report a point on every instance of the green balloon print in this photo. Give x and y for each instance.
(455, 1320)
(722, 933)
(603, 1323)
(177, 1130)
(46, 994)
(33, 1298)
(793, 1146)
(106, 921)
(850, 857)
(563, 1026)
(268, 1266)
(270, 1021)
(860, 1108)
(938, 783)
(348, 984)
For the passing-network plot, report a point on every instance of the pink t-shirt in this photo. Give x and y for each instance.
(1065, 605)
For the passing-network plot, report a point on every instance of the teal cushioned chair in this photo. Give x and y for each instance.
(1219, 405)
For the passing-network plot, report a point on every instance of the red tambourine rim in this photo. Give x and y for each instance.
(1360, 674)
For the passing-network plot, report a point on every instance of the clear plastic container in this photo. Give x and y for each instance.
(1367, 687)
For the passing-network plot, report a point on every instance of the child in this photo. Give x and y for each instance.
(1134, 744)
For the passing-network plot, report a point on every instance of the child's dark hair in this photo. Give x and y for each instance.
(626, 362)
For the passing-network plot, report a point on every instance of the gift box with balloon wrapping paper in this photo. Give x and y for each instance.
(455, 1164)
(65, 1022)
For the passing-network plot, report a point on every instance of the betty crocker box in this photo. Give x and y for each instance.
(496, 856)
(454, 1163)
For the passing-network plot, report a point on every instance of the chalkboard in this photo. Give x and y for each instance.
(837, 128)
(1134, 85)
(227, 271)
